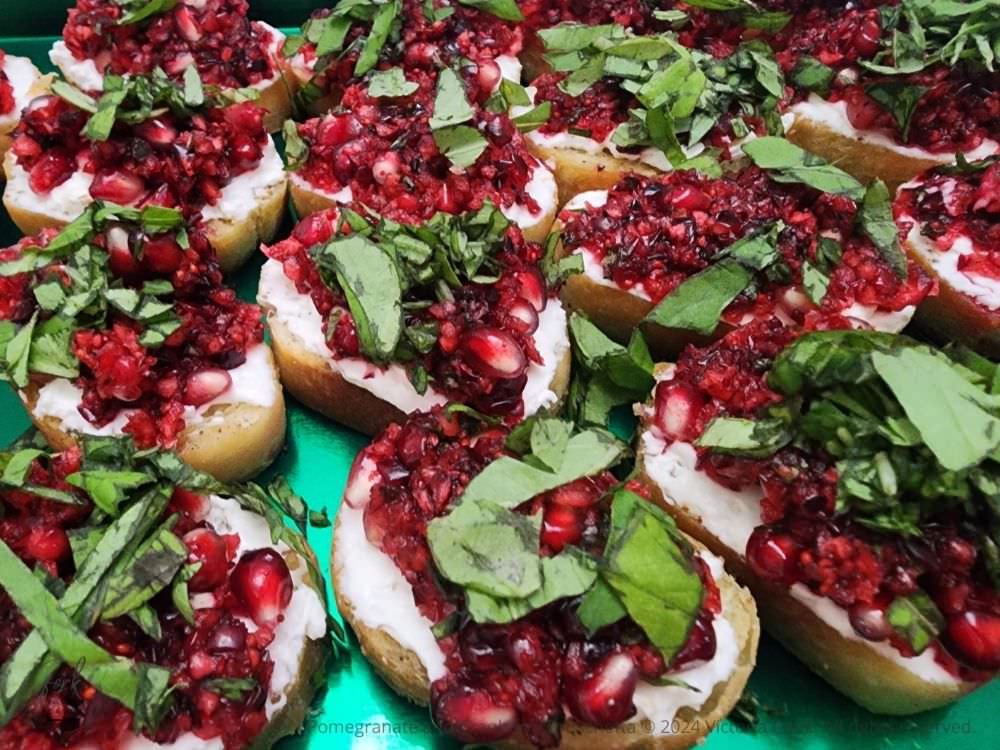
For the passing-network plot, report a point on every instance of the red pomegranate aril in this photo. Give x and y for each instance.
(561, 526)
(161, 254)
(47, 543)
(262, 583)
(700, 645)
(120, 258)
(866, 41)
(206, 385)
(578, 494)
(337, 129)
(209, 549)
(604, 699)
(187, 24)
(191, 503)
(51, 170)
(974, 638)
(117, 187)
(869, 621)
(862, 111)
(157, 132)
(677, 407)
(473, 716)
(227, 637)
(494, 353)
(531, 287)
(488, 75)
(524, 315)
(691, 198)
(772, 555)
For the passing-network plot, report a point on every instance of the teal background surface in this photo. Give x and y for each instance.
(358, 710)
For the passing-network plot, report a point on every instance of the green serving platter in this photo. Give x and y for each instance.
(357, 710)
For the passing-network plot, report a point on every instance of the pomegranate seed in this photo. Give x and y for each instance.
(227, 637)
(157, 132)
(488, 76)
(262, 582)
(117, 187)
(604, 699)
(975, 639)
(161, 254)
(560, 526)
(53, 169)
(869, 621)
(866, 41)
(191, 503)
(385, 167)
(177, 65)
(120, 259)
(208, 548)
(531, 287)
(49, 544)
(364, 473)
(316, 228)
(337, 129)
(773, 556)
(205, 386)
(494, 353)
(690, 198)
(201, 665)
(472, 716)
(524, 318)
(677, 407)
(700, 645)
(862, 111)
(187, 24)
(412, 444)
(578, 494)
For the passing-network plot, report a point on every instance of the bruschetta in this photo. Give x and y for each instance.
(878, 113)
(216, 37)
(371, 320)
(688, 257)
(419, 149)
(950, 222)
(20, 82)
(186, 617)
(337, 47)
(617, 102)
(120, 324)
(841, 475)
(507, 607)
(215, 163)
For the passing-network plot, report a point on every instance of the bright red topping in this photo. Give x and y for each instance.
(155, 384)
(7, 101)
(948, 207)
(384, 151)
(166, 161)
(634, 14)
(467, 36)
(959, 110)
(484, 342)
(70, 712)
(803, 538)
(216, 36)
(654, 233)
(501, 678)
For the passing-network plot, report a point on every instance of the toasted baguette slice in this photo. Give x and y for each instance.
(866, 156)
(578, 171)
(310, 379)
(246, 439)
(233, 240)
(405, 673)
(851, 666)
(308, 200)
(27, 84)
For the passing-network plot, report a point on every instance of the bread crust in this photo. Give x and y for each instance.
(245, 442)
(309, 677)
(856, 670)
(578, 172)
(405, 673)
(865, 161)
(278, 96)
(233, 241)
(954, 316)
(309, 378)
(38, 87)
(308, 201)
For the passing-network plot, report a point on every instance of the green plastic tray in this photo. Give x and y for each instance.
(358, 710)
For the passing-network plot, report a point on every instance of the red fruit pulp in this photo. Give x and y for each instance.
(262, 584)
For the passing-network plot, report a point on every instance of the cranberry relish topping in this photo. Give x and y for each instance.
(843, 53)
(951, 203)
(385, 150)
(424, 36)
(653, 234)
(214, 659)
(876, 524)
(7, 101)
(181, 158)
(471, 337)
(216, 36)
(519, 668)
(134, 311)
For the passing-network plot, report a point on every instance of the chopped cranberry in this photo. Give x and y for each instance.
(262, 584)
(117, 187)
(561, 525)
(7, 100)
